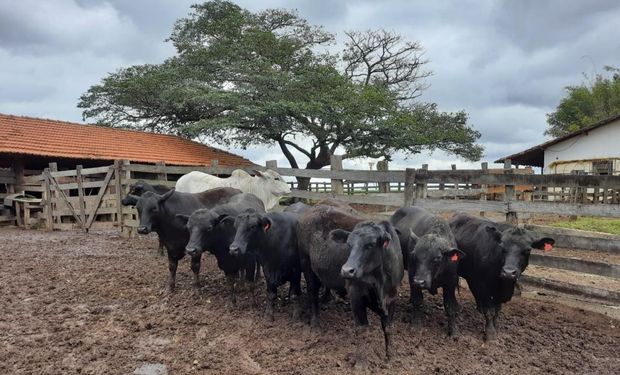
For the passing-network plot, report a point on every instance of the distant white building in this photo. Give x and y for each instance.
(591, 150)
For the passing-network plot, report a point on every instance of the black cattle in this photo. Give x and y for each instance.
(373, 272)
(273, 237)
(158, 213)
(136, 190)
(321, 259)
(431, 256)
(214, 230)
(495, 257)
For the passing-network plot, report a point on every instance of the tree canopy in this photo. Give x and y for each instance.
(586, 104)
(244, 78)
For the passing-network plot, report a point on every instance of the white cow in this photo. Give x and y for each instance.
(267, 185)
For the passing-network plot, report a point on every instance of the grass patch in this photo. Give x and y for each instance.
(594, 224)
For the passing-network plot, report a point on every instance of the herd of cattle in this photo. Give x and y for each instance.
(335, 248)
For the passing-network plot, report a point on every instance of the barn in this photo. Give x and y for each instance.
(592, 150)
(28, 145)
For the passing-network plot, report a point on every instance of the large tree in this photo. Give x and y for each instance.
(245, 78)
(586, 104)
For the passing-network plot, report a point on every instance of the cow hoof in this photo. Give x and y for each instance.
(314, 323)
(297, 314)
(360, 364)
(490, 336)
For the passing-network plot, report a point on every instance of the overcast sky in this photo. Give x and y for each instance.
(504, 62)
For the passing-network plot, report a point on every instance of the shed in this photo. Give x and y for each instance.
(30, 144)
(592, 150)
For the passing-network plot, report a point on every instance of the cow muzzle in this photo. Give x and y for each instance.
(144, 230)
(509, 274)
(191, 251)
(349, 272)
(235, 250)
(420, 283)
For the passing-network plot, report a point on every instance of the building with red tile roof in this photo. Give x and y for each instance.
(35, 142)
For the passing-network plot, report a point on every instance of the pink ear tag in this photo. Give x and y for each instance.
(454, 257)
(386, 244)
(266, 226)
(548, 247)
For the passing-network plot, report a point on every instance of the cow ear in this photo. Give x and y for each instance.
(165, 197)
(183, 218)
(545, 243)
(266, 223)
(339, 235)
(412, 240)
(224, 219)
(385, 240)
(494, 232)
(454, 255)
(258, 173)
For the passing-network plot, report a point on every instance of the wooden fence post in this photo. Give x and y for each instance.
(162, 175)
(271, 164)
(509, 194)
(409, 187)
(80, 185)
(53, 167)
(456, 185)
(336, 165)
(118, 186)
(215, 165)
(421, 188)
(483, 196)
(384, 187)
(49, 217)
(123, 177)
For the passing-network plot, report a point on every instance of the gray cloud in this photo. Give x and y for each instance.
(505, 63)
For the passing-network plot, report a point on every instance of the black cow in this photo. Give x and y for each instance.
(373, 272)
(214, 230)
(495, 257)
(321, 259)
(158, 213)
(273, 237)
(431, 257)
(297, 208)
(136, 190)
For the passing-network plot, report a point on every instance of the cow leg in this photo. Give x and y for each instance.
(195, 266)
(172, 269)
(451, 307)
(417, 301)
(160, 249)
(312, 284)
(489, 315)
(232, 280)
(360, 362)
(250, 277)
(326, 296)
(272, 295)
(295, 294)
(498, 308)
(386, 325)
(517, 291)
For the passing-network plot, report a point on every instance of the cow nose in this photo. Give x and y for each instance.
(191, 251)
(419, 282)
(234, 250)
(143, 230)
(510, 274)
(347, 272)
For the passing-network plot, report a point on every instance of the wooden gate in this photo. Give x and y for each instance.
(69, 198)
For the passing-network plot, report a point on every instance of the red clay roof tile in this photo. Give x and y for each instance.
(35, 136)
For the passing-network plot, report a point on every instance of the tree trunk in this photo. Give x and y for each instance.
(303, 183)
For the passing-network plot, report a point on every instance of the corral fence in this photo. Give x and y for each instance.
(90, 197)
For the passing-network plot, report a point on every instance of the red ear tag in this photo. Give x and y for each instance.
(266, 226)
(548, 247)
(454, 257)
(386, 244)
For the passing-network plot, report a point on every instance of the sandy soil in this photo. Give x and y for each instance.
(96, 304)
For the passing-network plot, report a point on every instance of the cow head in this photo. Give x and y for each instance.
(516, 244)
(135, 191)
(367, 242)
(149, 206)
(431, 256)
(250, 225)
(201, 225)
(276, 185)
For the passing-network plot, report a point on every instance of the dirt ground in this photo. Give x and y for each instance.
(95, 303)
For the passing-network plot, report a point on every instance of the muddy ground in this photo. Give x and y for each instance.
(96, 304)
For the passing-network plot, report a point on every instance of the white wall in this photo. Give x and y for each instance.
(600, 143)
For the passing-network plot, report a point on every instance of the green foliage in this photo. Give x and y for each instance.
(245, 78)
(586, 104)
(592, 224)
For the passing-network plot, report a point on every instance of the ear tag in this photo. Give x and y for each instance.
(266, 226)
(386, 244)
(548, 247)
(454, 257)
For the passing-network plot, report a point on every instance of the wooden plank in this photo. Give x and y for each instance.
(559, 208)
(48, 202)
(577, 265)
(391, 199)
(85, 185)
(64, 198)
(93, 213)
(461, 205)
(118, 169)
(6, 173)
(80, 184)
(484, 167)
(127, 182)
(7, 180)
(100, 211)
(448, 193)
(510, 194)
(410, 177)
